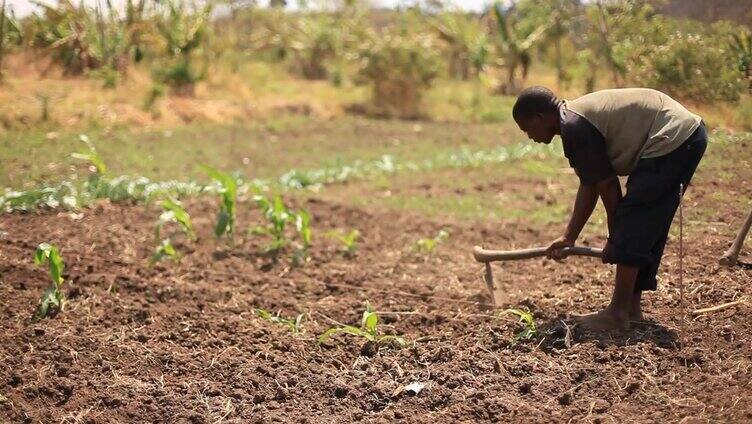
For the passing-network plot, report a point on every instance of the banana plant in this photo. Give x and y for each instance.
(9, 33)
(468, 45)
(182, 31)
(516, 47)
(52, 301)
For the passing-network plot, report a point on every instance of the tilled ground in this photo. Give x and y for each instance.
(180, 343)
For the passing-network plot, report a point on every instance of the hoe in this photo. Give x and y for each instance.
(488, 256)
(732, 254)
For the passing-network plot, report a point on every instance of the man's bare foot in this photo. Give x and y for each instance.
(604, 320)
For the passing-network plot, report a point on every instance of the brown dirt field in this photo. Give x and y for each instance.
(179, 342)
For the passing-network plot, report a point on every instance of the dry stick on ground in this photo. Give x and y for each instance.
(719, 307)
(729, 258)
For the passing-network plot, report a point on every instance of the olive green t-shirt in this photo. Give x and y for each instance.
(636, 123)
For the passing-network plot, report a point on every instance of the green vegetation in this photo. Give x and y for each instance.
(172, 212)
(228, 193)
(295, 325)
(349, 241)
(368, 330)
(428, 245)
(164, 249)
(278, 216)
(182, 31)
(528, 330)
(52, 301)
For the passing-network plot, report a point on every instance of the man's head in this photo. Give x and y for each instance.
(536, 112)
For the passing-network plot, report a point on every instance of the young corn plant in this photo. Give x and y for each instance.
(52, 301)
(293, 324)
(278, 216)
(528, 330)
(173, 212)
(368, 330)
(429, 245)
(164, 249)
(228, 192)
(349, 242)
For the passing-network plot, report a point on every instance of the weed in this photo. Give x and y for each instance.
(52, 301)
(368, 330)
(294, 324)
(228, 192)
(529, 330)
(428, 245)
(349, 241)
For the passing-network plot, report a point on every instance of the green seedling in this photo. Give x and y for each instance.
(529, 330)
(303, 226)
(295, 325)
(90, 155)
(163, 250)
(228, 192)
(368, 330)
(52, 301)
(173, 211)
(349, 241)
(278, 216)
(428, 245)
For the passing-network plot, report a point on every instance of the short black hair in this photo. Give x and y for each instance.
(534, 100)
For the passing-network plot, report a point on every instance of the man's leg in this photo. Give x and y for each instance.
(646, 278)
(616, 315)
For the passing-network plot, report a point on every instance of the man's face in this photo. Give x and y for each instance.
(537, 129)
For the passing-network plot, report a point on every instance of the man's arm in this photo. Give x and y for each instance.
(584, 203)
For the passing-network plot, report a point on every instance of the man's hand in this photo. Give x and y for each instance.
(554, 250)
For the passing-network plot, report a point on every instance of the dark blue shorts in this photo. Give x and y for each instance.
(643, 216)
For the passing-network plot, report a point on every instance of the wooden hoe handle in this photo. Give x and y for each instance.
(484, 255)
(729, 258)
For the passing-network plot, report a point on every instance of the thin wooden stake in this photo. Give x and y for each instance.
(681, 263)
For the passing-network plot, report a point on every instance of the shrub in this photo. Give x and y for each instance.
(401, 66)
(685, 63)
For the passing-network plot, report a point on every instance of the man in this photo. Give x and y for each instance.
(638, 132)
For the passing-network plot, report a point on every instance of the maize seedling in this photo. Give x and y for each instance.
(52, 301)
(368, 330)
(529, 330)
(295, 325)
(173, 211)
(164, 249)
(428, 245)
(349, 242)
(228, 192)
